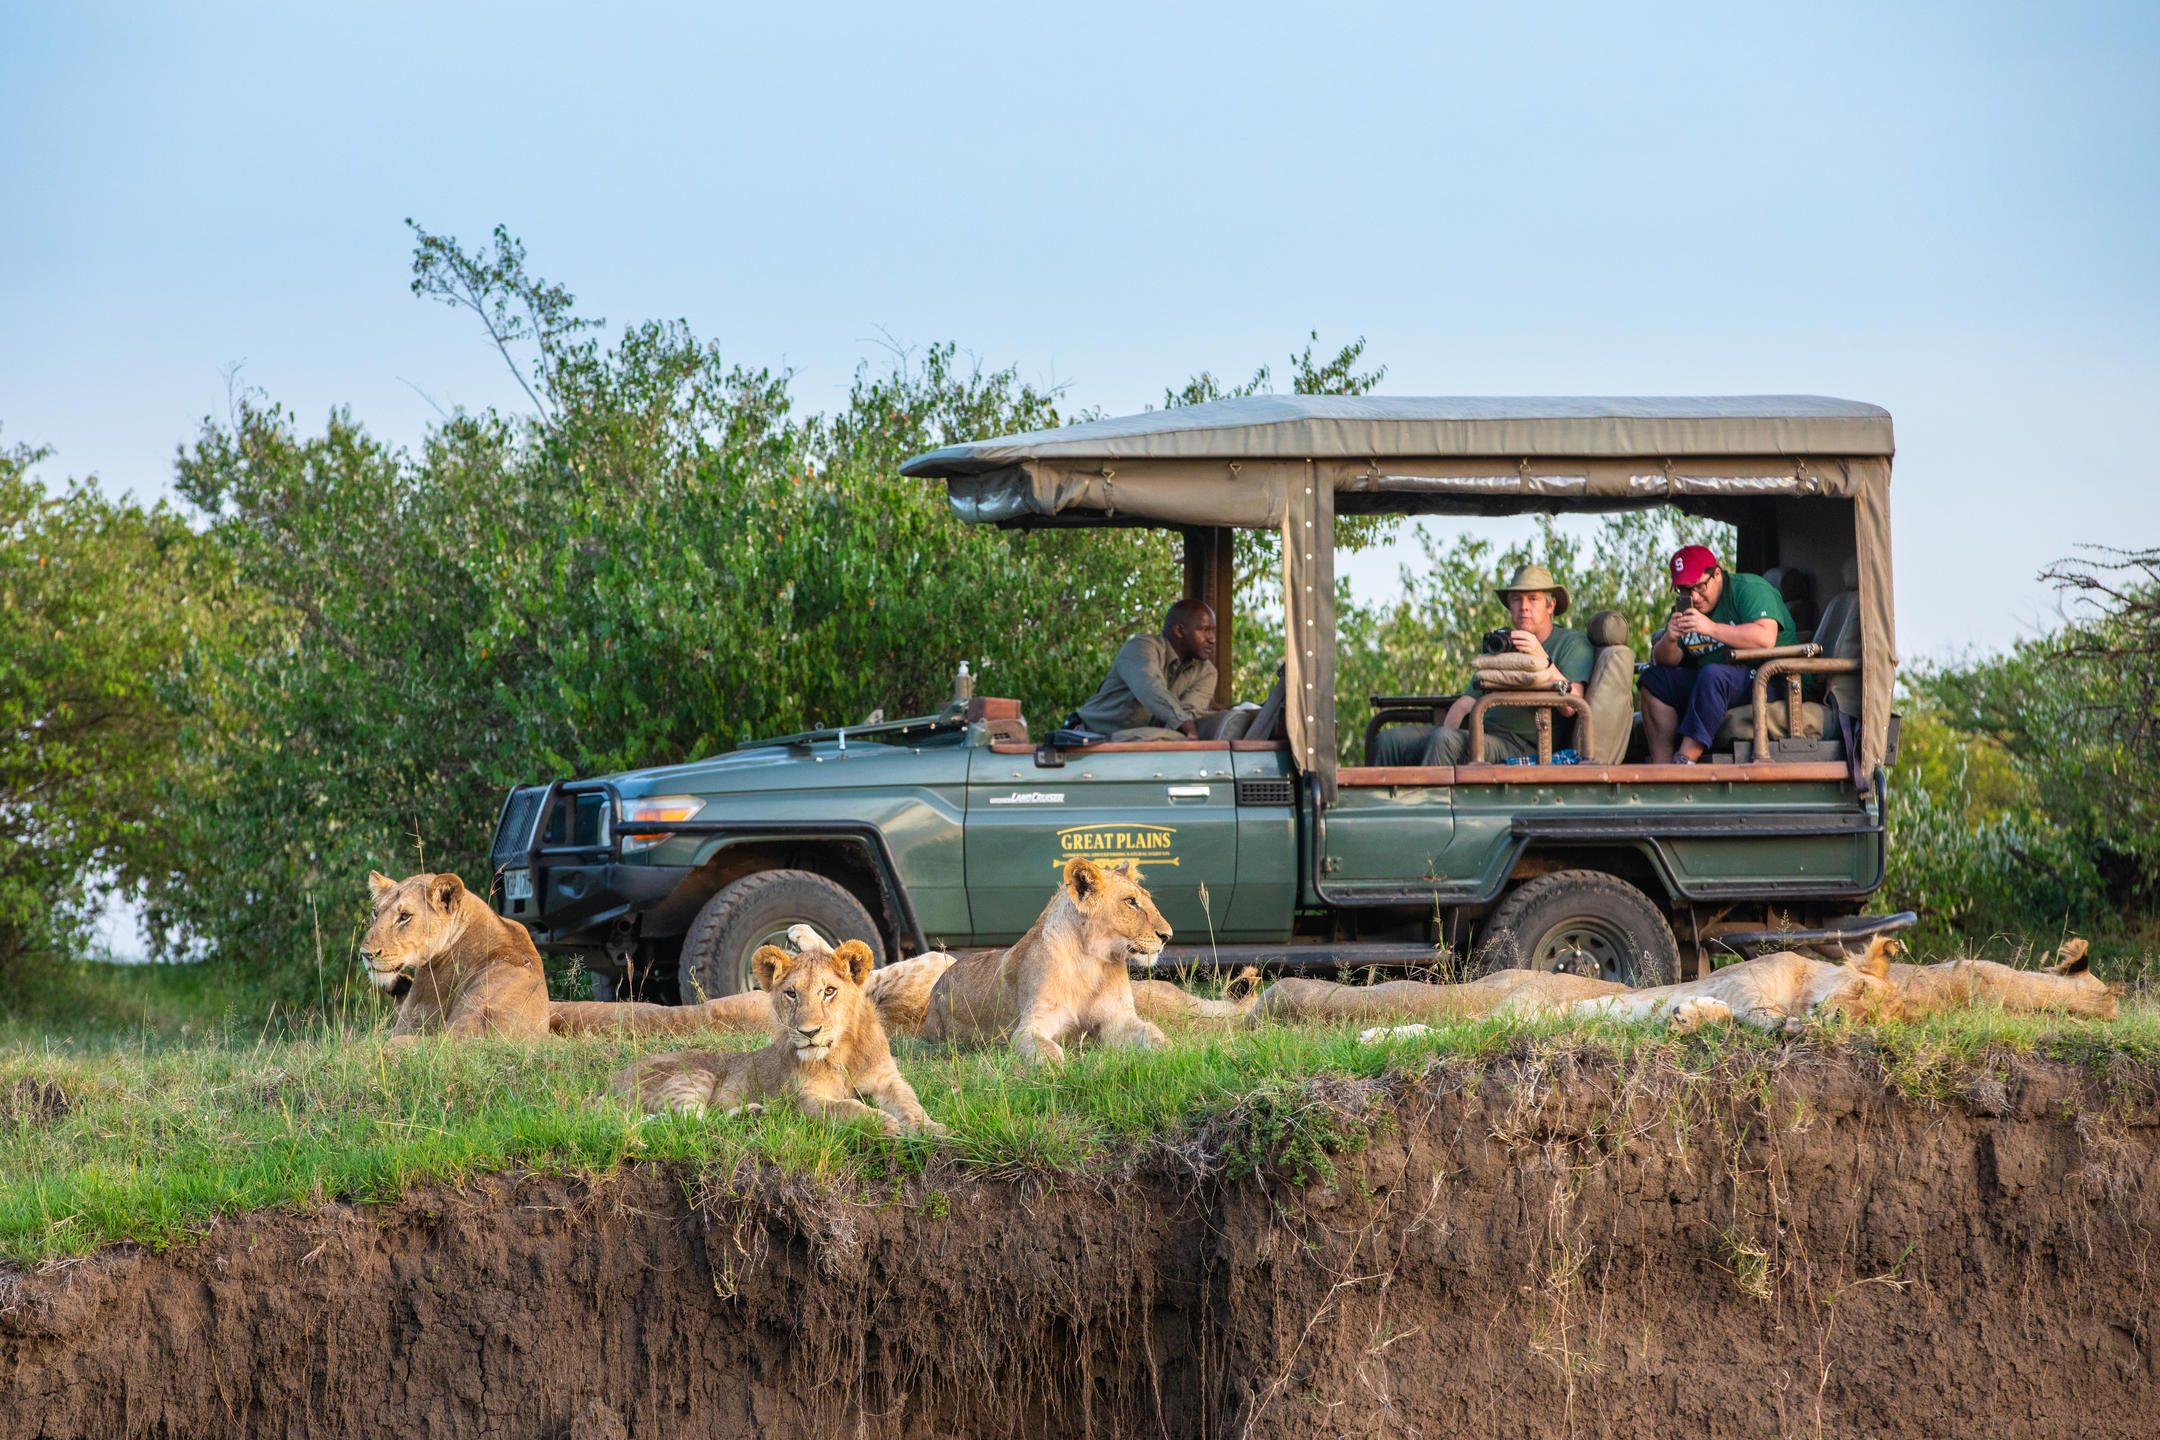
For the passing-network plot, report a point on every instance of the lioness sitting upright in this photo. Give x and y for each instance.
(827, 1048)
(454, 964)
(1065, 977)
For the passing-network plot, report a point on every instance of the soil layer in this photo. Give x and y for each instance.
(1538, 1247)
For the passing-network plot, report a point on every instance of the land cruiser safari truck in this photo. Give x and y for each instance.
(948, 830)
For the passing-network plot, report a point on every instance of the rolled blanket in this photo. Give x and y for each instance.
(1506, 672)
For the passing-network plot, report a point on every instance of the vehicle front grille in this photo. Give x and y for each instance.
(515, 831)
(1265, 792)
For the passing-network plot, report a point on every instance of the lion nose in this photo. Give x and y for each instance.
(808, 1032)
(1163, 935)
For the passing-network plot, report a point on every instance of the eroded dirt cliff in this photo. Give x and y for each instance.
(1544, 1246)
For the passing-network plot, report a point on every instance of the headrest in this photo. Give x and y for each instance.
(1849, 572)
(1792, 582)
(1607, 627)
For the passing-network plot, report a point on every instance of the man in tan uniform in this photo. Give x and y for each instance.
(1162, 684)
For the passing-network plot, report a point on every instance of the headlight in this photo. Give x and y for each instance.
(654, 809)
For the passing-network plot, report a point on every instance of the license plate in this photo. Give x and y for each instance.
(517, 884)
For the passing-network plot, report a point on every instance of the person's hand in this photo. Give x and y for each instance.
(1191, 729)
(1528, 644)
(1687, 622)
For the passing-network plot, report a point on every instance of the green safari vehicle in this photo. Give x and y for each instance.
(948, 830)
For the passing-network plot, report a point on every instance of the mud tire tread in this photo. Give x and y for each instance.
(718, 929)
(1657, 953)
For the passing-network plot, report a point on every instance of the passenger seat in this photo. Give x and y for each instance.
(1611, 687)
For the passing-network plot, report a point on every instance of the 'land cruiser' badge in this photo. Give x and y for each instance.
(1030, 797)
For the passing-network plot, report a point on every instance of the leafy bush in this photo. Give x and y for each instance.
(2027, 796)
(105, 606)
(661, 562)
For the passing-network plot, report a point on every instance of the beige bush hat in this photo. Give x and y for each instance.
(1536, 577)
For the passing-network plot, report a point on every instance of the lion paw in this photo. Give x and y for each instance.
(751, 1108)
(1692, 1015)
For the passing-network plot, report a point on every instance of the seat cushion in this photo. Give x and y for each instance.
(1611, 694)
(1740, 723)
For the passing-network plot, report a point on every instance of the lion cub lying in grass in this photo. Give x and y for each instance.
(1776, 992)
(1503, 992)
(827, 1048)
(1065, 978)
(2068, 986)
(453, 964)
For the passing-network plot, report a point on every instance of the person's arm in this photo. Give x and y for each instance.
(1142, 671)
(1753, 635)
(1196, 692)
(1458, 713)
(1667, 650)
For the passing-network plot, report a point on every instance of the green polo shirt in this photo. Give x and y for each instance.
(1568, 649)
(1747, 598)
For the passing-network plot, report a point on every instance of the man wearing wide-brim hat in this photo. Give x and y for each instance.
(1544, 655)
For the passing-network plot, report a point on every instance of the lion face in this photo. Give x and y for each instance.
(817, 996)
(1864, 990)
(1118, 916)
(416, 919)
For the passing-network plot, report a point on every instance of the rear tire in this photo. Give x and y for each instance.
(603, 986)
(758, 910)
(1582, 922)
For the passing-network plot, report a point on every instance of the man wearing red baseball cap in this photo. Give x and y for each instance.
(1693, 679)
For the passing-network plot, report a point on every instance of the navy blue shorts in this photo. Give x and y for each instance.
(1701, 696)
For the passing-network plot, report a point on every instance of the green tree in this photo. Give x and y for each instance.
(105, 606)
(657, 562)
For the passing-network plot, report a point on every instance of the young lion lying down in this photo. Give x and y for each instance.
(1066, 977)
(453, 964)
(827, 1048)
(1503, 992)
(1776, 992)
(2067, 986)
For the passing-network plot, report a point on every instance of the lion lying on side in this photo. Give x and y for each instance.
(1776, 992)
(1066, 977)
(827, 1048)
(1504, 992)
(453, 964)
(2068, 986)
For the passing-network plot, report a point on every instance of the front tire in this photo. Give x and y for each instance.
(1582, 922)
(758, 910)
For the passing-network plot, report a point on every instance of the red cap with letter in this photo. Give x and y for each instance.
(1691, 564)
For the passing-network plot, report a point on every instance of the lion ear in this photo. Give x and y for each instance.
(379, 885)
(1083, 877)
(855, 961)
(1877, 960)
(446, 891)
(771, 964)
(2071, 959)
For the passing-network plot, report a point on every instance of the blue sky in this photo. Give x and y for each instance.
(1948, 210)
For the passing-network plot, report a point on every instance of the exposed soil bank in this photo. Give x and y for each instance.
(1537, 1249)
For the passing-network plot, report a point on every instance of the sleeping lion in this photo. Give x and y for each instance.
(2067, 986)
(1776, 992)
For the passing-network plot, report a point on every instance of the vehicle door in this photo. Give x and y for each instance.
(1172, 807)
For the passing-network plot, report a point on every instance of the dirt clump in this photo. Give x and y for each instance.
(1547, 1244)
